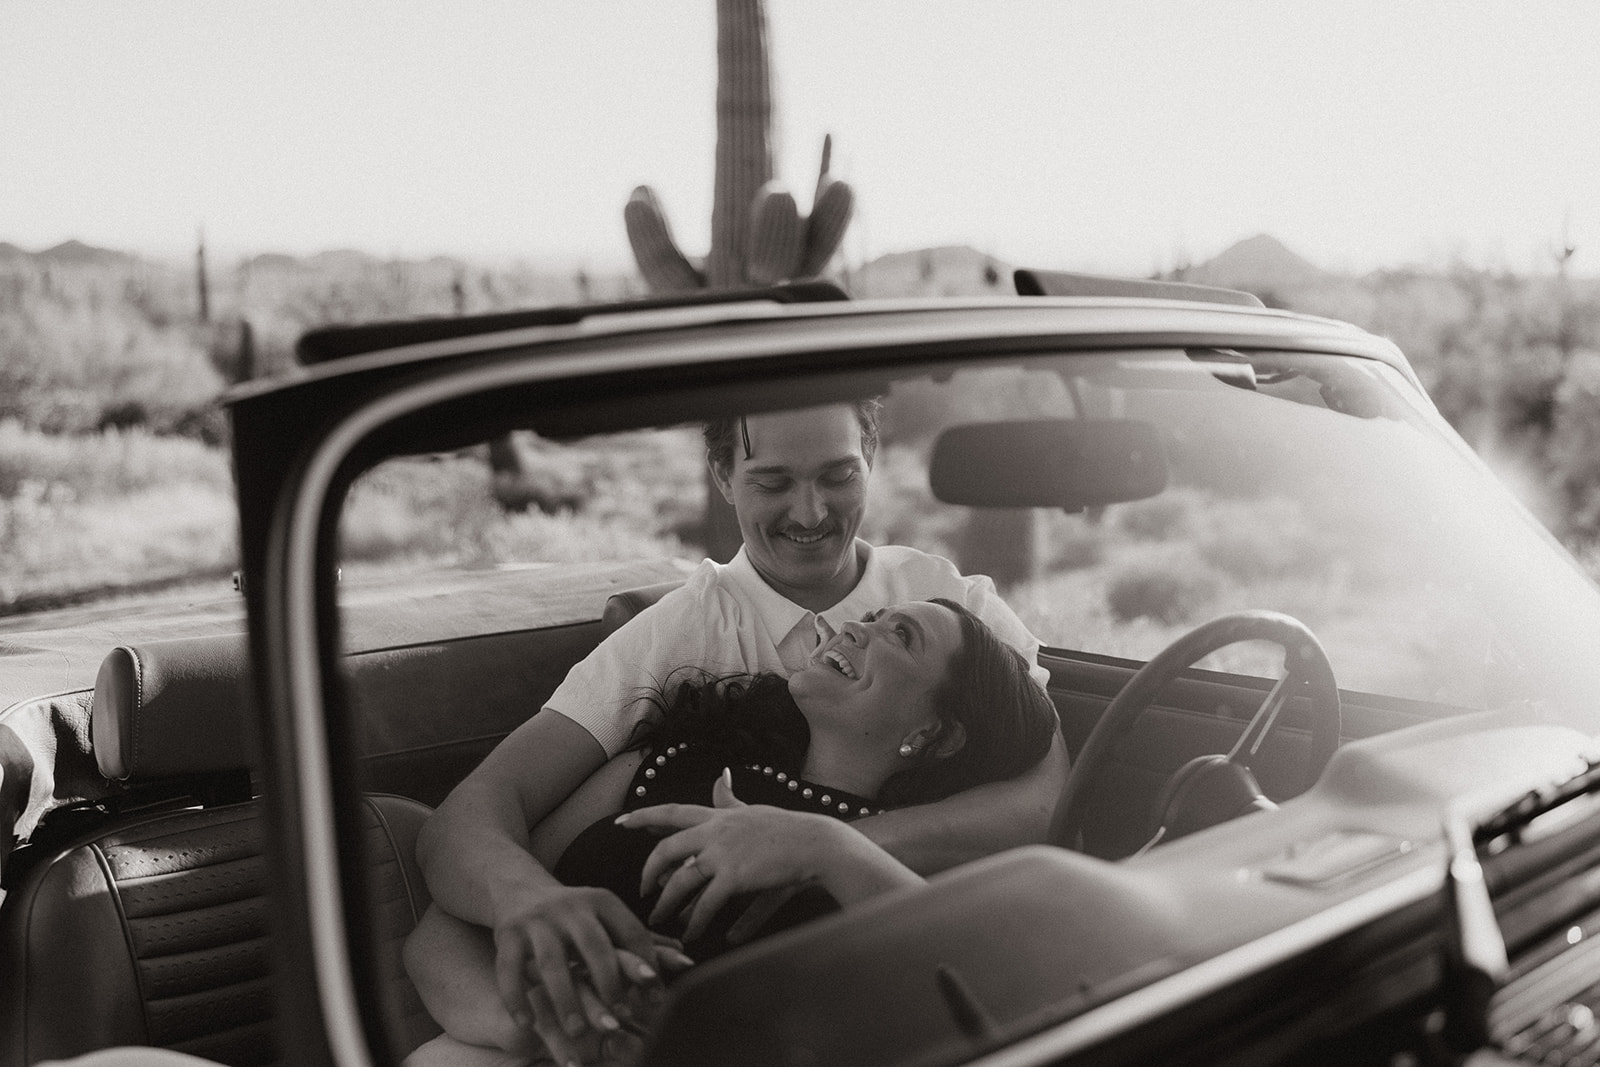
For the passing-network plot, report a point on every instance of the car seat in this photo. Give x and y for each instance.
(143, 920)
(624, 605)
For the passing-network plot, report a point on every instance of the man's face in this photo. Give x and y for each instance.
(800, 498)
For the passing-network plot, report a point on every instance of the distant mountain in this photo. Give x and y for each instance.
(76, 253)
(342, 259)
(271, 261)
(1257, 264)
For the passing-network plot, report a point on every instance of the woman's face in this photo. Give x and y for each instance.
(875, 678)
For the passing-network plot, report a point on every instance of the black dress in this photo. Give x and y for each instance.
(612, 857)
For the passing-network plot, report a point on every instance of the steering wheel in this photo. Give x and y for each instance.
(1210, 789)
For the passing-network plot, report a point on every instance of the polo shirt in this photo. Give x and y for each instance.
(725, 619)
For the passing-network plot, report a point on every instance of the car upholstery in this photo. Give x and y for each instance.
(140, 917)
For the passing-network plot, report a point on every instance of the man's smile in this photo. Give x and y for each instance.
(805, 537)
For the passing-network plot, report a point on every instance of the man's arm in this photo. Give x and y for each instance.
(474, 848)
(979, 822)
(475, 856)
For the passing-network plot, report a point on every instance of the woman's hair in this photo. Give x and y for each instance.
(1005, 718)
(738, 718)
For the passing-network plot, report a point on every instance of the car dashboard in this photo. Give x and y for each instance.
(1348, 926)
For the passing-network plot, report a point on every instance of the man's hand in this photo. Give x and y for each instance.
(570, 962)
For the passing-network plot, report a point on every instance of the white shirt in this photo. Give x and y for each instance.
(726, 619)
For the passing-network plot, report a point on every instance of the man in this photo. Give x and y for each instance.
(797, 482)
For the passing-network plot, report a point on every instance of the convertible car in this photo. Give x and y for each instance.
(1329, 691)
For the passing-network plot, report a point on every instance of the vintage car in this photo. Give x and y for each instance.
(1330, 692)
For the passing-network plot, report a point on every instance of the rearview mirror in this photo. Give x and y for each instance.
(1048, 463)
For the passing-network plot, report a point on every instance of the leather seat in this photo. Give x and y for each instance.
(149, 925)
(622, 606)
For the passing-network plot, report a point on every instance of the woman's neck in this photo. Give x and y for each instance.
(840, 763)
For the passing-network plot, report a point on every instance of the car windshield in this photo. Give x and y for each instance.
(1316, 485)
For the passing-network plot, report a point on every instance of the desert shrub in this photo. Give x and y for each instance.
(1167, 588)
(1167, 517)
(901, 511)
(1575, 450)
(1266, 538)
(108, 465)
(1071, 543)
(618, 497)
(109, 510)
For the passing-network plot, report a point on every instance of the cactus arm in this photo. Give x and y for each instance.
(825, 228)
(777, 236)
(665, 268)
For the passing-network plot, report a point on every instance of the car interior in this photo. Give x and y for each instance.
(138, 894)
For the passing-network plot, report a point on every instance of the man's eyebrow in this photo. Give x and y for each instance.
(779, 468)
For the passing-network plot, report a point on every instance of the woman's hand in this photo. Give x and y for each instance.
(717, 853)
(569, 961)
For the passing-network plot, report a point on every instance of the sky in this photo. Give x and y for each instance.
(1115, 135)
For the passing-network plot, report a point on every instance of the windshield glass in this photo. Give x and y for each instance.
(1316, 485)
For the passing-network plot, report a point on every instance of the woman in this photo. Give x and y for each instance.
(755, 779)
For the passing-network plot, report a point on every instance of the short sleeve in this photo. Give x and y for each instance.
(697, 625)
(987, 604)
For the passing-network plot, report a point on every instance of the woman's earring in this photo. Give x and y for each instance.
(907, 749)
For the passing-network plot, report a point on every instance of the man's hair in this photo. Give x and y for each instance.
(723, 436)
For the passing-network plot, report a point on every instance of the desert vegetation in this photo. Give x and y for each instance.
(113, 466)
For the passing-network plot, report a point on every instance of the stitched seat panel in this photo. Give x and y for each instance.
(184, 841)
(185, 896)
(214, 885)
(180, 973)
(208, 1012)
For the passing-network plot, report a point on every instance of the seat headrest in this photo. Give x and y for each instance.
(171, 708)
(620, 607)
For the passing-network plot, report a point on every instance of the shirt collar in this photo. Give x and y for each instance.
(779, 614)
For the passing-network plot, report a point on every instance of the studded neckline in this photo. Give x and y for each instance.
(802, 794)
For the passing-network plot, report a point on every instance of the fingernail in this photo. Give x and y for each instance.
(622, 820)
(609, 1022)
(727, 777)
(646, 971)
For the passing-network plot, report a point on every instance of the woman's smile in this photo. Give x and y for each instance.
(839, 662)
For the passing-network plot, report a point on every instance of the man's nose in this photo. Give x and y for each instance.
(809, 507)
(854, 632)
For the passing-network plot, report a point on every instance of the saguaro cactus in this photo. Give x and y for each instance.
(758, 236)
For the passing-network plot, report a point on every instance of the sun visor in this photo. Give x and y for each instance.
(1048, 463)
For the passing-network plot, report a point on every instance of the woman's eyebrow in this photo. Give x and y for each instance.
(917, 632)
